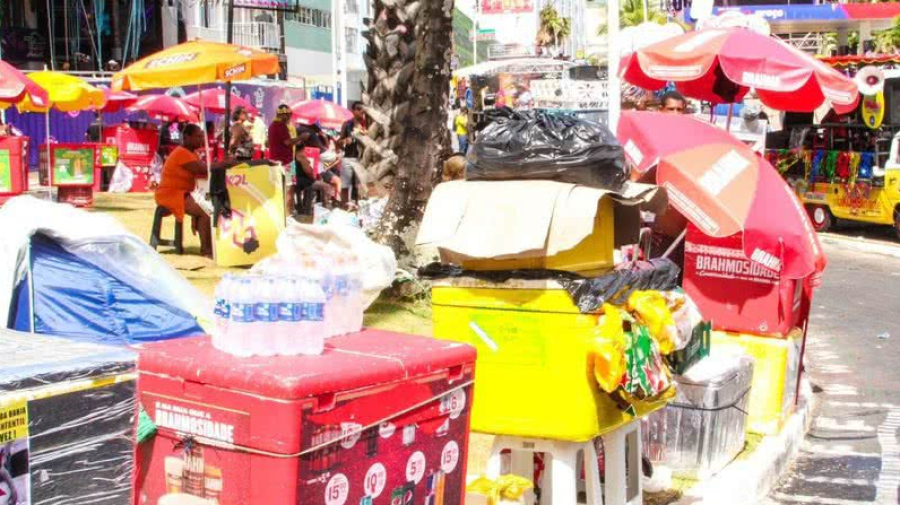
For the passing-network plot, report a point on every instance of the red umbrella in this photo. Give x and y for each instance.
(117, 100)
(720, 185)
(164, 108)
(721, 65)
(328, 114)
(15, 85)
(213, 100)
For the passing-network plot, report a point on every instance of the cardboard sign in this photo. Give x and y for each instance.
(73, 166)
(257, 216)
(5, 172)
(14, 440)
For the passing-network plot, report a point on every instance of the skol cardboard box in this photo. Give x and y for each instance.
(511, 225)
(66, 421)
(378, 418)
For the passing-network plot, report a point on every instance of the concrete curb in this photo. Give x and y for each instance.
(749, 481)
(862, 245)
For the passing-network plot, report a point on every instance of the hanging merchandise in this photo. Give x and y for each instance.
(854, 167)
(866, 164)
(818, 158)
(651, 311)
(842, 167)
(830, 164)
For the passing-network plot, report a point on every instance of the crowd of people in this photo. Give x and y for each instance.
(321, 165)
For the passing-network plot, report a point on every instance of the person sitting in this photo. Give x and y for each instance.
(179, 177)
(241, 144)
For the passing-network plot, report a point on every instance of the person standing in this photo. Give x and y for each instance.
(241, 144)
(179, 178)
(461, 127)
(353, 151)
(281, 149)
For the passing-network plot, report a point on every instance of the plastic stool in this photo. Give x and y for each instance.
(155, 231)
(622, 456)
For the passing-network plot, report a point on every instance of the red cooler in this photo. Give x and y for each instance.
(136, 150)
(13, 167)
(740, 295)
(379, 418)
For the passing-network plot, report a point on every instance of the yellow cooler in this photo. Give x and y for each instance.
(776, 370)
(534, 376)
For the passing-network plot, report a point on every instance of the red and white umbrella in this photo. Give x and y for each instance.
(118, 100)
(164, 108)
(720, 185)
(722, 65)
(213, 100)
(15, 86)
(328, 114)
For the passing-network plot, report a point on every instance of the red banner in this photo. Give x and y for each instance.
(506, 6)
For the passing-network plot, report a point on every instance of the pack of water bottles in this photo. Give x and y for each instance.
(289, 307)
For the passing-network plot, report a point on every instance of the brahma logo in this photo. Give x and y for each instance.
(723, 172)
(236, 70)
(758, 80)
(175, 59)
(766, 259)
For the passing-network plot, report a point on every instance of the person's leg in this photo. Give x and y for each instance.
(204, 228)
(463, 144)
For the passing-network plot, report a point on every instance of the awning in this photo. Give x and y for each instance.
(853, 59)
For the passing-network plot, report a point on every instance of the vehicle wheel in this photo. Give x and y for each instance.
(821, 217)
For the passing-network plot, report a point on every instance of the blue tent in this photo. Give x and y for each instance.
(82, 275)
(63, 294)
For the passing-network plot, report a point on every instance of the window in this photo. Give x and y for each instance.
(351, 7)
(352, 35)
(310, 17)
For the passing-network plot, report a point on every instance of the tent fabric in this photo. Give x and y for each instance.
(92, 278)
(77, 299)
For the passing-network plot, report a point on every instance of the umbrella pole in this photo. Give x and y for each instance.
(730, 115)
(675, 244)
(49, 161)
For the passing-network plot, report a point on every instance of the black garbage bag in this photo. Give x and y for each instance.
(588, 294)
(539, 144)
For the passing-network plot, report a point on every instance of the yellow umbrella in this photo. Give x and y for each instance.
(194, 63)
(66, 93)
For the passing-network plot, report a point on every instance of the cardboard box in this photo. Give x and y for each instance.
(776, 370)
(66, 420)
(509, 225)
(378, 418)
(738, 294)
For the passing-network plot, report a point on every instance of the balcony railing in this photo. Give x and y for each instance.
(259, 35)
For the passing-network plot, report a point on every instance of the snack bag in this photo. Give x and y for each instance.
(651, 310)
(609, 350)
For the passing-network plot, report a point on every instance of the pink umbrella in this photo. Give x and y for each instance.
(330, 115)
(164, 108)
(213, 100)
(117, 100)
(14, 86)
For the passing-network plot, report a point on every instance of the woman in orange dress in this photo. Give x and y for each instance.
(179, 177)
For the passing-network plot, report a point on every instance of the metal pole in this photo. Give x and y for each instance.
(342, 53)
(334, 52)
(612, 49)
(475, 33)
(646, 10)
(229, 30)
(50, 34)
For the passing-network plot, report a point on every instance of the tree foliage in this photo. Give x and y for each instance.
(631, 13)
(554, 29)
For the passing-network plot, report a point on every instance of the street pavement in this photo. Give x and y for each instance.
(851, 454)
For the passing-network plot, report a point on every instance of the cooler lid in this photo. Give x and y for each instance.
(355, 361)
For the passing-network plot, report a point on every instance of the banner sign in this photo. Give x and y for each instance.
(506, 6)
(257, 216)
(5, 172)
(73, 166)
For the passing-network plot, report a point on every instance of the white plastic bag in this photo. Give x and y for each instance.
(376, 262)
(122, 179)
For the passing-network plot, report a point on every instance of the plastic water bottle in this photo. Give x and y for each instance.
(314, 301)
(221, 314)
(241, 321)
(340, 299)
(289, 316)
(265, 316)
(326, 283)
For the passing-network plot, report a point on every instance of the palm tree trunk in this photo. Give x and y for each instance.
(408, 62)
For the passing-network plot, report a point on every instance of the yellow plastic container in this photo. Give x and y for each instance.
(591, 256)
(776, 370)
(533, 377)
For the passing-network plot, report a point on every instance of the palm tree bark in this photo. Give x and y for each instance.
(408, 94)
